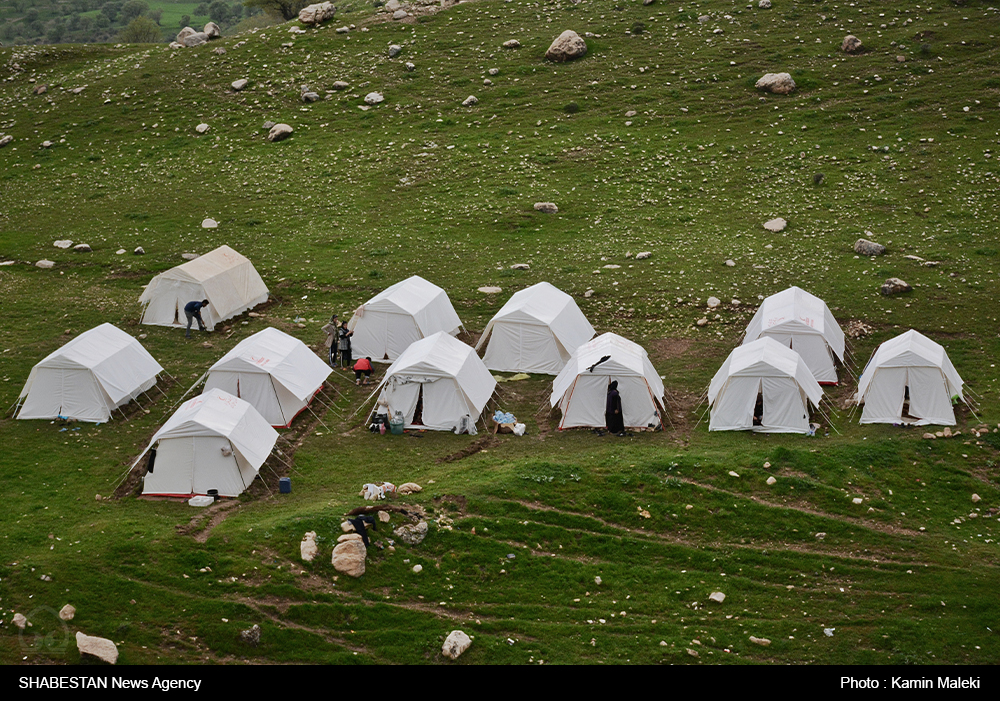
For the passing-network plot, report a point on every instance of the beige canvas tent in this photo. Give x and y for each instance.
(95, 373)
(225, 278)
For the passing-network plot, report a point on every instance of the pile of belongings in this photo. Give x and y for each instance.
(374, 492)
(505, 422)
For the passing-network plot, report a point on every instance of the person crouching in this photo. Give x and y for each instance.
(362, 369)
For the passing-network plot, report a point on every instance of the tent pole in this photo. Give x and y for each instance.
(319, 419)
(196, 383)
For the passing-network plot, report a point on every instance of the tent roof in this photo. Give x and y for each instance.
(284, 357)
(423, 300)
(627, 358)
(766, 357)
(911, 349)
(117, 360)
(795, 311)
(206, 266)
(218, 413)
(546, 304)
(442, 356)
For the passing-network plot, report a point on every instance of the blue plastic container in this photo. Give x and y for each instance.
(285, 485)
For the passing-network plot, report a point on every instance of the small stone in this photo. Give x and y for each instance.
(219, 50)
(864, 247)
(597, 581)
(251, 636)
(373, 98)
(470, 101)
(703, 19)
(342, 30)
(693, 653)
(857, 500)
(717, 596)
(567, 46)
(901, 59)
(413, 533)
(209, 223)
(400, 14)
(520, 266)
(409, 488)
(455, 644)
(120, 252)
(820, 536)
(894, 286)
(976, 498)
(46, 144)
(279, 132)
(189, 256)
(40, 89)
(546, 207)
(6, 140)
(643, 255)
(767, 465)
(202, 128)
(317, 13)
(775, 225)
(731, 263)
(490, 290)
(46, 264)
(588, 294)
(67, 612)
(307, 548)
(238, 85)
(383, 517)
(340, 85)
(395, 50)
(778, 83)
(851, 45)
(487, 82)
(63, 243)
(417, 569)
(713, 302)
(349, 555)
(702, 321)
(101, 648)
(733, 474)
(755, 640)
(512, 44)
(20, 621)
(764, 5)
(82, 248)
(409, 66)
(771, 480)
(493, 71)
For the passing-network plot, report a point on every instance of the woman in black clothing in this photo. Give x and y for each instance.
(613, 416)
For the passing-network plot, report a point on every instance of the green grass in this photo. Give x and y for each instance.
(356, 200)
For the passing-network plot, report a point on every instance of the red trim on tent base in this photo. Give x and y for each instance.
(289, 424)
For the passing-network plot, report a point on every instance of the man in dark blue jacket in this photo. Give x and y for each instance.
(193, 311)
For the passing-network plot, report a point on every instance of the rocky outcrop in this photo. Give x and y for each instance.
(895, 286)
(318, 13)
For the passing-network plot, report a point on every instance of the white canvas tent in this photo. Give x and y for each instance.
(95, 373)
(214, 441)
(775, 372)
(581, 393)
(389, 322)
(915, 365)
(273, 371)
(537, 330)
(225, 278)
(805, 324)
(445, 377)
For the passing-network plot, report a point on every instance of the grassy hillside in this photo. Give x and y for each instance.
(905, 136)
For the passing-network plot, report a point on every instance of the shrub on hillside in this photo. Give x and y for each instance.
(141, 30)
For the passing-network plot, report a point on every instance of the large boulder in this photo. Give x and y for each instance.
(894, 286)
(864, 247)
(308, 548)
(318, 13)
(279, 132)
(349, 555)
(566, 47)
(196, 39)
(101, 648)
(455, 644)
(852, 45)
(212, 30)
(184, 33)
(779, 83)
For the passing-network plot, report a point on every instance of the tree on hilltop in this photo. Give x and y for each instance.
(141, 30)
(283, 9)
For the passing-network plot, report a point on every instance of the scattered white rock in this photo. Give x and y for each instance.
(412, 533)
(764, 4)
(520, 266)
(512, 44)
(455, 644)
(209, 223)
(490, 290)
(470, 101)
(20, 621)
(731, 263)
(44, 264)
(120, 252)
(349, 555)
(395, 50)
(717, 596)
(409, 488)
(139, 251)
(340, 85)
(702, 321)
(409, 66)
(597, 580)
(771, 480)
(373, 98)
(82, 248)
(828, 632)
(713, 302)
(588, 294)
(318, 13)
(820, 536)
(417, 569)
(400, 14)
(976, 498)
(567, 46)
(643, 255)
(202, 128)
(864, 247)
(493, 71)
(238, 85)
(546, 207)
(857, 500)
(63, 243)
(5, 140)
(212, 31)
(851, 45)
(101, 648)
(894, 286)
(775, 225)
(733, 474)
(308, 548)
(67, 612)
(755, 640)
(342, 30)
(778, 83)
(279, 132)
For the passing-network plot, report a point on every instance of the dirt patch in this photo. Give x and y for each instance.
(201, 524)
(455, 501)
(668, 348)
(471, 449)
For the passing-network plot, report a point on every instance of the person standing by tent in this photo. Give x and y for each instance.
(192, 310)
(345, 345)
(331, 330)
(613, 417)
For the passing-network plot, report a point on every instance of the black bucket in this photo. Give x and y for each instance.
(214, 493)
